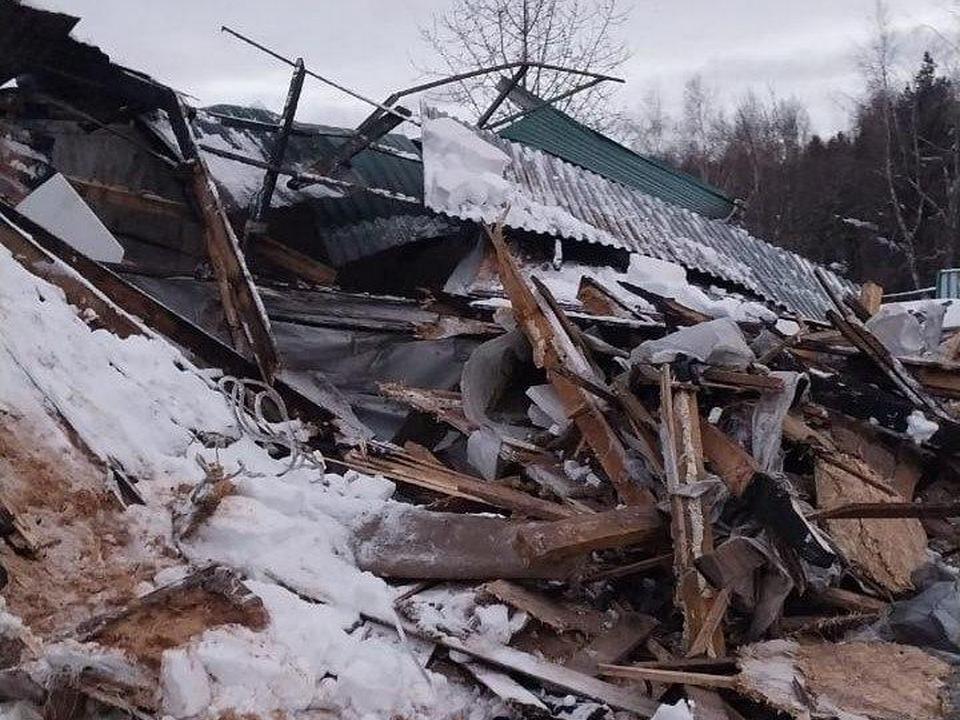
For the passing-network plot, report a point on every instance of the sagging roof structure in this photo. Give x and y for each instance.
(546, 128)
(143, 161)
(554, 197)
(628, 214)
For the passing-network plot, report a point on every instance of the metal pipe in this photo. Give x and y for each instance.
(497, 68)
(279, 149)
(546, 103)
(502, 95)
(307, 178)
(321, 78)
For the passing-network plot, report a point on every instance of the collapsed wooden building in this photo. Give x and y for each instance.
(501, 420)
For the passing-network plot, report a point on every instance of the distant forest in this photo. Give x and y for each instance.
(879, 202)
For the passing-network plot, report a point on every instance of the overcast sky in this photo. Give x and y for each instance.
(803, 48)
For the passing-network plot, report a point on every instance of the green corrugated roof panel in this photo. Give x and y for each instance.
(558, 134)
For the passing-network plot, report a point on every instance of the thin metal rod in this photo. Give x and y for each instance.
(321, 78)
(498, 68)
(546, 103)
(307, 178)
(502, 95)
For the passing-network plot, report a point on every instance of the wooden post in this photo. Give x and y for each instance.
(690, 524)
(242, 306)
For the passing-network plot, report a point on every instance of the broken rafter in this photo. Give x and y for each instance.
(690, 522)
(673, 312)
(242, 306)
(256, 223)
(590, 531)
(553, 350)
(612, 645)
(403, 467)
(294, 262)
(121, 306)
(559, 616)
(371, 130)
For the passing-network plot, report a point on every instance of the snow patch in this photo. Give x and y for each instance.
(919, 428)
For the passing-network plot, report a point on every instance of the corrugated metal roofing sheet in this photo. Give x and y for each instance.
(353, 242)
(370, 168)
(560, 135)
(563, 199)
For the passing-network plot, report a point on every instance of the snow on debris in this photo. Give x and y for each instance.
(464, 176)
(919, 428)
(476, 176)
(138, 401)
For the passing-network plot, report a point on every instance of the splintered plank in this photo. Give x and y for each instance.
(403, 467)
(735, 466)
(674, 312)
(690, 523)
(242, 307)
(553, 350)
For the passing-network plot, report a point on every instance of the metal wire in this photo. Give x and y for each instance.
(246, 397)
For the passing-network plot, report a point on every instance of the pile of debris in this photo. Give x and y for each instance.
(524, 441)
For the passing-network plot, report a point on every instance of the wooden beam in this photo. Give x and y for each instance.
(553, 349)
(403, 467)
(612, 645)
(892, 510)
(242, 306)
(735, 466)
(668, 677)
(690, 525)
(294, 262)
(559, 616)
(635, 568)
(742, 380)
(861, 338)
(673, 312)
(850, 601)
(598, 300)
(278, 150)
(136, 200)
(711, 624)
(592, 531)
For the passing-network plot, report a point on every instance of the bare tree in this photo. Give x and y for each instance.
(878, 66)
(580, 34)
(649, 129)
(701, 127)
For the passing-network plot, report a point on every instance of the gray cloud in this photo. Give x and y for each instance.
(803, 49)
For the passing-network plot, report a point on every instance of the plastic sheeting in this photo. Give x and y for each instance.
(909, 333)
(718, 342)
(768, 418)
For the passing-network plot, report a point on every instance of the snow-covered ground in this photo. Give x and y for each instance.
(139, 403)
